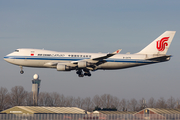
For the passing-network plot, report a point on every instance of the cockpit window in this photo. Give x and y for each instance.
(16, 50)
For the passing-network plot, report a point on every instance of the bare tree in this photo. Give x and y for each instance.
(54, 99)
(88, 105)
(69, 101)
(44, 99)
(178, 103)
(3, 98)
(17, 96)
(124, 104)
(79, 102)
(51, 99)
(133, 104)
(151, 103)
(97, 101)
(62, 101)
(171, 102)
(107, 100)
(41, 99)
(116, 103)
(29, 99)
(161, 103)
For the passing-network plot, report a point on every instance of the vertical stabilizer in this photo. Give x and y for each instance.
(159, 45)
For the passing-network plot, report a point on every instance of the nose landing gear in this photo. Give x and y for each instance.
(21, 70)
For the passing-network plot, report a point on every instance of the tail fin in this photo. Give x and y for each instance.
(160, 45)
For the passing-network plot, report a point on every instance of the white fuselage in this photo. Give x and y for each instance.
(83, 63)
(42, 58)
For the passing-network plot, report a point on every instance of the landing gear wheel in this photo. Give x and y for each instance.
(21, 71)
(81, 75)
(87, 73)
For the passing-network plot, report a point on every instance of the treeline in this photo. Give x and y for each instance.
(18, 96)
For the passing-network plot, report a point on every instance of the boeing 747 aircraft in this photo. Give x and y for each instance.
(83, 63)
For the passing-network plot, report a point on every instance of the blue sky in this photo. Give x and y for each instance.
(92, 26)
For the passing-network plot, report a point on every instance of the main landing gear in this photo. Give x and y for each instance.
(80, 73)
(21, 70)
(87, 73)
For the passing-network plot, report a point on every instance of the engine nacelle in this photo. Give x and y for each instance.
(62, 67)
(83, 64)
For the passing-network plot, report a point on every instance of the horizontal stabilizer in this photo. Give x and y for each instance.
(161, 58)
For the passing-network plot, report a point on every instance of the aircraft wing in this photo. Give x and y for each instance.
(95, 61)
(101, 58)
(108, 55)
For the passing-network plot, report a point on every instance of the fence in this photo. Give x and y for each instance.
(89, 117)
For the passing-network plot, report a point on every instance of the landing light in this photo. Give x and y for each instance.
(168, 58)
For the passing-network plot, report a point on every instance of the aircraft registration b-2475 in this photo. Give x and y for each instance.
(83, 63)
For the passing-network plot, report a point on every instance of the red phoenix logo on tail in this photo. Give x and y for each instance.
(162, 43)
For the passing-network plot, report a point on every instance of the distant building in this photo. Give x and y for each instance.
(105, 115)
(113, 112)
(145, 114)
(43, 110)
(157, 113)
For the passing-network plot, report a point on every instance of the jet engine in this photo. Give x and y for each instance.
(62, 67)
(83, 64)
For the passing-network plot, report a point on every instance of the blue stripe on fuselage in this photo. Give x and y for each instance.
(76, 59)
(43, 58)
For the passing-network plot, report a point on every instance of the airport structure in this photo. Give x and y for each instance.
(113, 112)
(76, 110)
(35, 89)
(158, 113)
(74, 113)
(43, 110)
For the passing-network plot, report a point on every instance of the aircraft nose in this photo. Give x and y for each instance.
(8, 59)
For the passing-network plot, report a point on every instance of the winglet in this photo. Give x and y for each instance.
(117, 51)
